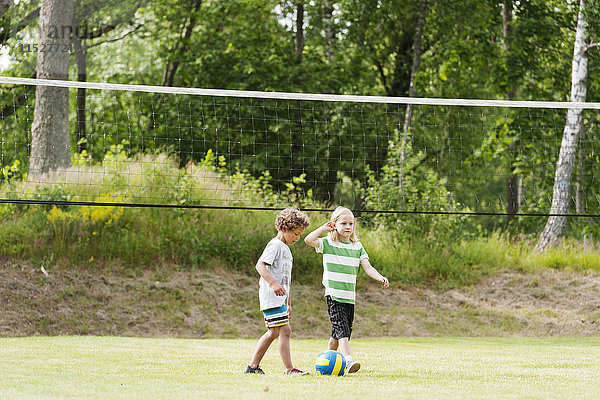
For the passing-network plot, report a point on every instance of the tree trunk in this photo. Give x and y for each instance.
(299, 31)
(329, 29)
(4, 22)
(333, 158)
(80, 48)
(7, 32)
(415, 64)
(579, 194)
(4, 6)
(181, 46)
(411, 87)
(512, 182)
(579, 185)
(561, 195)
(50, 129)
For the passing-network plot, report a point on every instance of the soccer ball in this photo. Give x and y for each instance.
(330, 363)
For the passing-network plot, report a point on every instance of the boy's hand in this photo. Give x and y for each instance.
(289, 310)
(278, 289)
(312, 239)
(384, 281)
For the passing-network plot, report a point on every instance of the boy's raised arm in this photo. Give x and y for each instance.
(312, 239)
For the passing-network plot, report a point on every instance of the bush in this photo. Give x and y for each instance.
(407, 186)
(410, 249)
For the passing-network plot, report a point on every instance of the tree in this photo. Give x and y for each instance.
(513, 200)
(534, 33)
(87, 13)
(329, 28)
(384, 34)
(561, 195)
(4, 6)
(6, 30)
(411, 90)
(580, 207)
(299, 30)
(50, 129)
(182, 43)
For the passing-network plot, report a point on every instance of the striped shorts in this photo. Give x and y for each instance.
(275, 317)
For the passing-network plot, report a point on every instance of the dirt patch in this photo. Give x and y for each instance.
(548, 303)
(200, 303)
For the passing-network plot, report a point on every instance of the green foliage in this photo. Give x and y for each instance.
(423, 263)
(412, 249)
(407, 185)
(88, 235)
(464, 56)
(12, 172)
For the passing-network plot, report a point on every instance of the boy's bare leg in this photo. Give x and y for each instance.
(285, 333)
(351, 366)
(333, 344)
(344, 346)
(263, 345)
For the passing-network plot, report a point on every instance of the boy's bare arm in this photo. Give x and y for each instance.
(261, 267)
(312, 239)
(373, 273)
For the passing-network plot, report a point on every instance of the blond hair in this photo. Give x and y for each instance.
(337, 213)
(291, 219)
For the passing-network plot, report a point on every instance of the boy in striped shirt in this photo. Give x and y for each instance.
(342, 256)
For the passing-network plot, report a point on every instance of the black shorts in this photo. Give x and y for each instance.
(341, 316)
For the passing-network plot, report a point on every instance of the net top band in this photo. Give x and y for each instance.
(300, 96)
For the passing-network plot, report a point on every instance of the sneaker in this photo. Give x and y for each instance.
(257, 370)
(296, 371)
(352, 367)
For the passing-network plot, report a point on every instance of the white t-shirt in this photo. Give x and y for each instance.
(278, 257)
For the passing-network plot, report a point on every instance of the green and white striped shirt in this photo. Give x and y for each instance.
(341, 261)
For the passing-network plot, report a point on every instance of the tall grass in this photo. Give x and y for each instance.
(132, 239)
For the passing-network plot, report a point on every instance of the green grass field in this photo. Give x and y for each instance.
(400, 368)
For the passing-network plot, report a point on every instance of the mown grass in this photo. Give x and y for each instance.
(407, 368)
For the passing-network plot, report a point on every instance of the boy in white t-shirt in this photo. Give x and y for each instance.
(275, 269)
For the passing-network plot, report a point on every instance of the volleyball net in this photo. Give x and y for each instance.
(134, 145)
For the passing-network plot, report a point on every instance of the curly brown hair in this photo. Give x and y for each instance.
(291, 219)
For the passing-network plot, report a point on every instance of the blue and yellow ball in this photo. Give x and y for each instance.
(330, 363)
